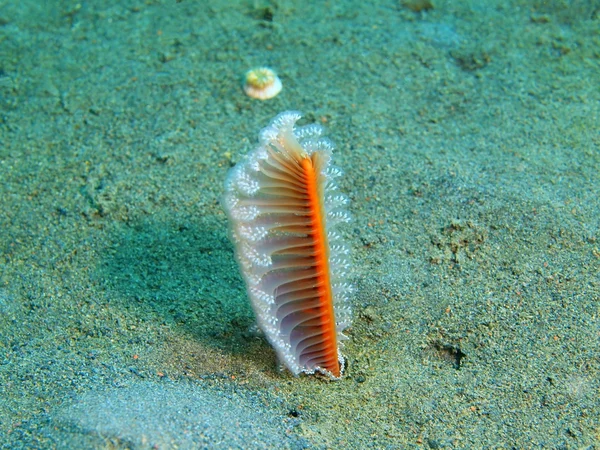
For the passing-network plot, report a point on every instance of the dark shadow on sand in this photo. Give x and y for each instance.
(184, 274)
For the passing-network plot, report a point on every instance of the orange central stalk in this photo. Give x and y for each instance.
(321, 250)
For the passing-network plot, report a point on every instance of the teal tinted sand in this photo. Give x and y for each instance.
(468, 133)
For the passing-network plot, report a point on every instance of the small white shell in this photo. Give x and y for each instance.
(262, 83)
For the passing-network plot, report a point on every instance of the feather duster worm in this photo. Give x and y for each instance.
(283, 205)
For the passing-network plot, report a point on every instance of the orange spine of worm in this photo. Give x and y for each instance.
(284, 206)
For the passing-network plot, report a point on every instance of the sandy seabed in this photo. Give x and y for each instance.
(468, 133)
